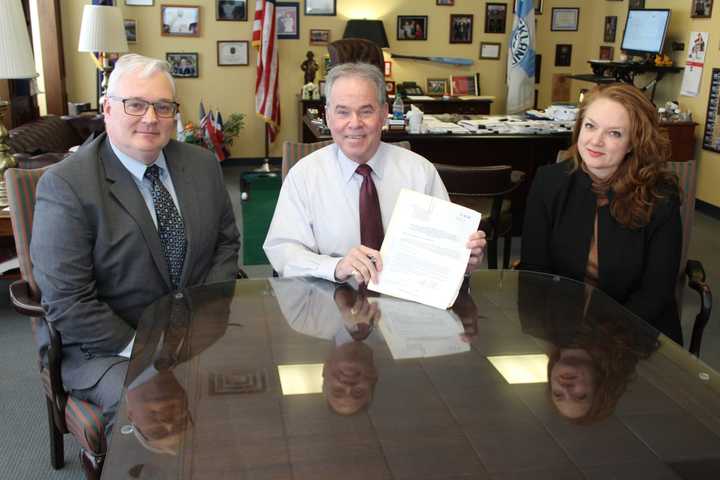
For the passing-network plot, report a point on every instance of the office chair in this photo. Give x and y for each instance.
(691, 270)
(66, 414)
(486, 190)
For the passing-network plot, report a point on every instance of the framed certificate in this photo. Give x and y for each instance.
(565, 19)
(232, 53)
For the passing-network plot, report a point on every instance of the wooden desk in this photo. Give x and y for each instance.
(450, 416)
(479, 106)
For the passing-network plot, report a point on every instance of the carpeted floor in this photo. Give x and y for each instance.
(257, 212)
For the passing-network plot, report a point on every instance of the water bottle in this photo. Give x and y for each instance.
(398, 108)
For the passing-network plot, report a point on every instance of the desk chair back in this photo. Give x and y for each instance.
(691, 270)
(294, 151)
(486, 190)
(66, 414)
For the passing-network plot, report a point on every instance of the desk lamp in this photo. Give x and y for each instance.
(16, 62)
(102, 31)
(372, 30)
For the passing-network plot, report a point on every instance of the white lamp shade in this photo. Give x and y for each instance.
(16, 58)
(102, 30)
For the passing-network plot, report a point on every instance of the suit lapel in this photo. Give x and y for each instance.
(123, 188)
(187, 198)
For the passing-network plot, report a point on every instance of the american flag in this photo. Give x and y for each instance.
(267, 102)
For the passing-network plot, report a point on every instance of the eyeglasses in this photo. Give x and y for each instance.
(137, 107)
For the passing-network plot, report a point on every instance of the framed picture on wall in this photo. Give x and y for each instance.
(232, 53)
(130, 30)
(563, 55)
(461, 28)
(701, 8)
(610, 29)
(321, 7)
(319, 37)
(565, 19)
(231, 10)
(495, 17)
(636, 3)
(412, 27)
(183, 65)
(388, 68)
(490, 50)
(711, 136)
(390, 87)
(445, 2)
(287, 19)
(437, 87)
(606, 53)
(140, 3)
(180, 20)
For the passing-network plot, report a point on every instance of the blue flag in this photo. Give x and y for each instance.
(521, 59)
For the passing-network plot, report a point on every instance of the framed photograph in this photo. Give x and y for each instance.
(180, 20)
(130, 30)
(565, 19)
(538, 6)
(490, 50)
(437, 87)
(388, 68)
(232, 53)
(183, 65)
(231, 10)
(287, 19)
(140, 3)
(412, 27)
(319, 36)
(606, 53)
(610, 29)
(321, 7)
(495, 17)
(464, 85)
(636, 3)
(563, 55)
(389, 87)
(445, 2)
(461, 27)
(701, 8)
(538, 67)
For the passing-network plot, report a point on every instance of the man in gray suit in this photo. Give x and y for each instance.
(130, 217)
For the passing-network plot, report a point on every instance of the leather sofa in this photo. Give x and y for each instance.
(48, 139)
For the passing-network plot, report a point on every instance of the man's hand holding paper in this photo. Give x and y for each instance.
(425, 250)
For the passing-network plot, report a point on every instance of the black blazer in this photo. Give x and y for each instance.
(637, 267)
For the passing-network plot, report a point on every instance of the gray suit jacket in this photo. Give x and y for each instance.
(97, 256)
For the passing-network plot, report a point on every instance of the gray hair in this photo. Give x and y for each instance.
(364, 71)
(145, 66)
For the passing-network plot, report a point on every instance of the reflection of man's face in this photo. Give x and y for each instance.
(158, 410)
(572, 383)
(349, 378)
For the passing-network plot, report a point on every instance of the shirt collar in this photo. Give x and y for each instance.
(136, 167)
(348, 166)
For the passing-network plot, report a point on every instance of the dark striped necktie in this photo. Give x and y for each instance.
(371, 227)
(170, 225)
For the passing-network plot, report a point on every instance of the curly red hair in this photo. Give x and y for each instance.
(641, 179)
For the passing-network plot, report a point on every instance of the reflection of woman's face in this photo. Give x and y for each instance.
(572, 382)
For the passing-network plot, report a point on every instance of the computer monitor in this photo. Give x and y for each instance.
(645, 31)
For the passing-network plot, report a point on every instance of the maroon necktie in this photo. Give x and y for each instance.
(371, 228)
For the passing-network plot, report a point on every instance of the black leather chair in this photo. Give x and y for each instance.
(486, 190)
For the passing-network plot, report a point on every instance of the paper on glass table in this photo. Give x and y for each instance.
(424, 253)
(418, 331)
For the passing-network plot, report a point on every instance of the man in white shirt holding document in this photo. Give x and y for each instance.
(333, 210)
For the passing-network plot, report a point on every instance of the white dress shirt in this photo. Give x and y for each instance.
(317, 219)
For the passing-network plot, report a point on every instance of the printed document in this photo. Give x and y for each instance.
(424, 253)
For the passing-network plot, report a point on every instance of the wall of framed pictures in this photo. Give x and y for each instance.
(474, 29)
